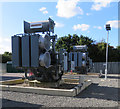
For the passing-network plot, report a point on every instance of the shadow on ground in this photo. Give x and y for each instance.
(100, 92)
(4, 78)
(6, 104)
(111, 77)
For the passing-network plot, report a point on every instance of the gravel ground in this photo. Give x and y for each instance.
(100, 93)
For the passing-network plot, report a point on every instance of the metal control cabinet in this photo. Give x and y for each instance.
(16, 51)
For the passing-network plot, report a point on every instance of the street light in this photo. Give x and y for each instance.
(108, 28)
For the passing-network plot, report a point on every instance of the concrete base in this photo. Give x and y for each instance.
(11, 82)
(77, 76)
(48, 91)
(36, 83)
(95, 74)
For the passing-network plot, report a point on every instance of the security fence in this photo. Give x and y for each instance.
(7, 67)
(2, 68)
(113, 67)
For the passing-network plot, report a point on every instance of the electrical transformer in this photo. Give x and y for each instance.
(35, 52)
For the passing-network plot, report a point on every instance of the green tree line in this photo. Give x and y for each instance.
(6, 57)
(96, 50)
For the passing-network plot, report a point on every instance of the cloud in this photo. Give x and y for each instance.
(98, 27)
(88, 14)
(114, 23)
(43, 10)
(59, 25)
(5, 45)
(68, 8)
(82, 27)
(99, 4)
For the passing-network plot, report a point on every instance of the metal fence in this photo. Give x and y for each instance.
(2, 68)
(113, 67)
(7, 68)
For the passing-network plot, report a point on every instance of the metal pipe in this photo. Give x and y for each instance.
(106, 70)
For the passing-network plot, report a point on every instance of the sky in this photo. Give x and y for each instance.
(71, 17)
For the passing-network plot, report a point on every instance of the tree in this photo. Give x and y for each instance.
(67, 42)
(118, 47)
(6, 57)
(84, 40)
(92, 48)
(97, 51)
(113, 53)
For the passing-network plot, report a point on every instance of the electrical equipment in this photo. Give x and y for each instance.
(16, 51)
(36, 52)
(40, 26)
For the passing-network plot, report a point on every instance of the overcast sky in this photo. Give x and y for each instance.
(70, 16)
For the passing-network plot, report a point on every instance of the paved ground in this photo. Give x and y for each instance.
(100, 94)
(10, 76)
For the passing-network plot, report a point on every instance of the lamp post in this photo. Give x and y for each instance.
(108, 28)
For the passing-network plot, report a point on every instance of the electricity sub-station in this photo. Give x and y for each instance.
(34, 51)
